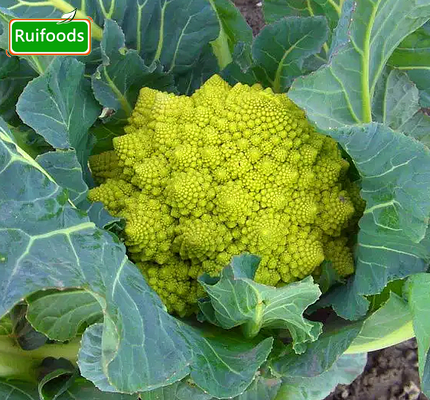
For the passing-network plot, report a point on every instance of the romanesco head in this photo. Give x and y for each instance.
(227, 170)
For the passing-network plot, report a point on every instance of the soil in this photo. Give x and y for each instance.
(392, 373)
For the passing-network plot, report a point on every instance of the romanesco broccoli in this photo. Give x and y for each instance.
(227, 170)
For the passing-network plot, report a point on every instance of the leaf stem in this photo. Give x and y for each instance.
(161, 33)
(406, 332)
(365, 63)
(251, 328)
(64, 6)
(220, 45)
(24, 364)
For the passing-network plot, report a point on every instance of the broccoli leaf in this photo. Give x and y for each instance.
(412, 56)
(38, 63)
(104, 132)
(23, 333)
(319, 356)
(117, 81)
(39, 217)
(341, 92)
(239, 301)
(419, 302)
(274, 10)
(19, 390)
(64, 167)
(393, 241)
(279, 53)
(170, 32)
(218, 358)
(396, 104)
(14, 76)
(97, 10)
(182, 390)
(242, 68)
(61, 315)
(60, 106)
(233, 29)
(328, 277)
(188, 82)
(388, 325)
(78, 389)
(343, 371)
(281, 48)
(98, 214)
(6, 326)
(418, 127)
(58, 375)
(396, 99)
(261, 389)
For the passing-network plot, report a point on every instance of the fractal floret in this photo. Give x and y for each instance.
(227, 170)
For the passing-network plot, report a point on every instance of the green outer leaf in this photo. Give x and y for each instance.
(14, 76)
(233, 29)
(59, 105)
(24, 334)
(171, 32)
(56, 382)
(418, 127)
(182, 390)
(237, 300)
(98, 214)
(261, 389)
(90, 358)
(64, 167)
(61, 315)
(331, 9)
(319, 356)
(104, 133)
(225, 364)
(328, 277)
(87, 257)
(39, 63)
(32, 143)
(341, 92)
(80, 389)
(242, 68)
(274, 10)
(6, 326)
(97, 10)
(396, 99)
(387, 326)
(219, 358)
(8, 65)
(391, 242)
(281, 48)
(38, 218)
(419, 302)
(15, 390)
(188, 82)
(397, 187)
(343, 371)
(412, 57)
(83, 390)
(118, 80)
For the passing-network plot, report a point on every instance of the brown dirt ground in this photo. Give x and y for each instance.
(392, 373)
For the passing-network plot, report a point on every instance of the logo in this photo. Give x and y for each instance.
(61, 36)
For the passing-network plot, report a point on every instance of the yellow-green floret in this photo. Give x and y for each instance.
(227, 170)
